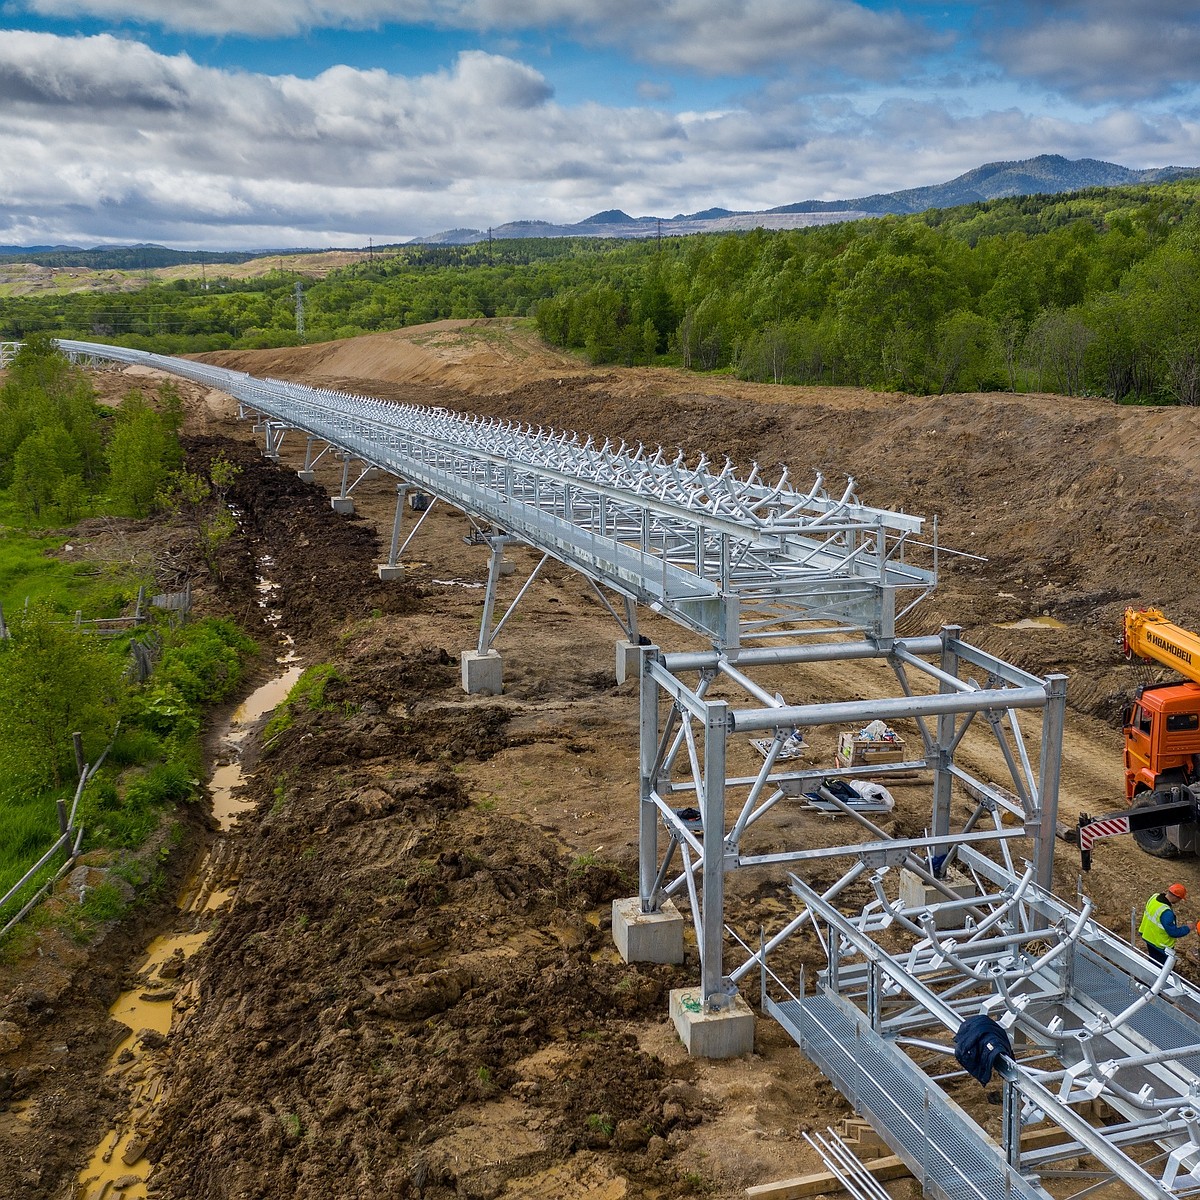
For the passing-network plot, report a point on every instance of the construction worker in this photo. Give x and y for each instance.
(1159, 928)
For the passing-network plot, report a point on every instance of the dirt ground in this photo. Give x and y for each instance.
(412, 989)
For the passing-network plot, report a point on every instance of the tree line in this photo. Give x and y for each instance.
(1075, 295)
(63, 456)
(1095, 291)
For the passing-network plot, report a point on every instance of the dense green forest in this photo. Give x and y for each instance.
(63, 456)
(130, 258)
(1092, 292)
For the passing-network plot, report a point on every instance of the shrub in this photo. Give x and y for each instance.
(204, 660)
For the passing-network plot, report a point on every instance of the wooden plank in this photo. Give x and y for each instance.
(882, 1169)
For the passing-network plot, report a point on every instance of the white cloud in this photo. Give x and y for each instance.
(714, 37)
(105, 139)
(1099, 51)
(653, 92)
(808, 38)
(256, 18)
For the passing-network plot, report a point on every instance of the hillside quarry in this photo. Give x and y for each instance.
(409, 987)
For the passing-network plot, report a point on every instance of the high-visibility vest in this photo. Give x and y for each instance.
(1151, 927)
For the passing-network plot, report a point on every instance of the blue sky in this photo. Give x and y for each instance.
(256, 123)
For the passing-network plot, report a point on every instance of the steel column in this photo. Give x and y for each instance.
(401, 492)
(712, 805)
(942, 779)
(649, 890)
(1050, 773)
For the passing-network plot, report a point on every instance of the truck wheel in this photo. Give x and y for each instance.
(1156, 839)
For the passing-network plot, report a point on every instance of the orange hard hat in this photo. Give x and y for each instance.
(1178, 891)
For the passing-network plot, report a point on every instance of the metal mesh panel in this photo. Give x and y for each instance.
(941, 1145)
(1161, 1024)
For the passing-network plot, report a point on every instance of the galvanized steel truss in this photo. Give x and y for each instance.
(733, 559)
(1089, 1020)
(685, 788)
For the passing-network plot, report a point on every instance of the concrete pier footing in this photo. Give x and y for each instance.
(647, 937)
(308, 476)
(342, 505)
(915, 893)
(728, 1033)
(482, 674)
(390, 574)
(629, 661)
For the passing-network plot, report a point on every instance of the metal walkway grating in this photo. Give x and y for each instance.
(951, 1155)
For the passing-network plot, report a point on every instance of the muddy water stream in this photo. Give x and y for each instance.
(160, 1005)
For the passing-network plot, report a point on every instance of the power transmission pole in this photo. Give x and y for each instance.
(489, 245)
(299, 311)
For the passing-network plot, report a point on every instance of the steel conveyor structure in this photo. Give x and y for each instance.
(729, 558)
(774, 582)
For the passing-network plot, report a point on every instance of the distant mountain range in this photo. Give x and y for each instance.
(1045, 175)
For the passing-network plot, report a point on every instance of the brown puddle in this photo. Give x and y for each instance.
(160, 1003)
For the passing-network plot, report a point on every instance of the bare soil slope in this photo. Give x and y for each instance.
(413, 991)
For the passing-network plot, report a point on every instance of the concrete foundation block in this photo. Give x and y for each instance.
(392, 574)
(629, 661)
(342, 505)
(647, 937)
(482, 674)
(916, 893)
(308, 476)
(725, 1034)
(507, 567)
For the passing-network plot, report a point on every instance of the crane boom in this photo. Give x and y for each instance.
(1149, 634)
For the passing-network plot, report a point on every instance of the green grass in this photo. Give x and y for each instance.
(582, 862)
(153, 764)
(123, 818)
(28, 569)
(28, 829)
(103, 903)
(309, 691)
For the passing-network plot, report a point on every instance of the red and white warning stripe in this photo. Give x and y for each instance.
(1095, 830)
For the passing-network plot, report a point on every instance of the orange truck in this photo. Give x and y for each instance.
(1162, 746)
(1162, 728)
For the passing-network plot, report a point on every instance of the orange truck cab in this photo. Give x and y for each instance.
(1162, 738)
